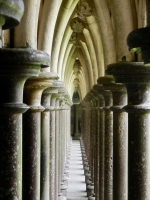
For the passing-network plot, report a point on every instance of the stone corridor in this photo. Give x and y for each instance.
(74, 99)
(76, 184)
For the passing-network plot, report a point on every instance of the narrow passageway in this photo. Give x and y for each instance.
(76, 184)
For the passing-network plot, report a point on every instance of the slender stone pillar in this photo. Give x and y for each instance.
(61, 150)
(120, 141)
(101, 132)
(18, 65)
(69, 104)
(60, 105)
(54, 140)
(45, 140)
(89, 134)
(64, 157)
(76, 120)
(32, 134)
(87, 131)
(94, 123)
(77, 134)
(89, 104)
(57, 184)
(136, 78)
(93, 130)
(86, 113)
(99, 125)
(59, 146)
(83, 139)
(53, 145)
(108, 141)
(67, 108)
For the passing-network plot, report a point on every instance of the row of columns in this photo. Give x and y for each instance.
(116, 135)
(115, 127)
(34, 127)
(34, 120)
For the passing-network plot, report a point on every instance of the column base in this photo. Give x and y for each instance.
(90, 189)
(64, 189)
(92, 197)
(61, 197)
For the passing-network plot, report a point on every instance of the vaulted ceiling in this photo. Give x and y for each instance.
(81, 37)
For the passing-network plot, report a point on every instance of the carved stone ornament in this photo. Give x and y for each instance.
(77, 25)
(84, 10)
(77, 68)
(76, 82)
(74, 40)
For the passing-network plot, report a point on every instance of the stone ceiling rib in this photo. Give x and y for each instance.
(64, 16)
(106, 31)
(50, 10)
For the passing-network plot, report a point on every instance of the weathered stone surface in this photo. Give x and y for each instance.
(137, 83)
(12, 12)
(45, 140)
(120, 141)
(23, 57)
(32, 134)
(12, 78)
(108, 139)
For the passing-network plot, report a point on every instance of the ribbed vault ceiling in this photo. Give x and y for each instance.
(82, 37)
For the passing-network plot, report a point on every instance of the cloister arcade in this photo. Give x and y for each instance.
(74, 69)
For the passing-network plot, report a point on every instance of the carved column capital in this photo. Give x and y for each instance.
(77, 25)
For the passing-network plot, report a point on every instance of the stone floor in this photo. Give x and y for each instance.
(76, 185)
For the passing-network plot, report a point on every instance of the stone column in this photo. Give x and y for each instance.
(57, 185)
(87, 141)
(18, 65)
(60, 105)
(84, 124)
(93, 105)
(108, 140)
(66, 154)
(32, 134)
(45, 141)
(61, 154)
(54, 139)
(136, 78)
(76, 119)
(99, 125)
(94, 123)
(84, 136)
(120, 141)
(99, 89)
(53, 145)
(67, 107)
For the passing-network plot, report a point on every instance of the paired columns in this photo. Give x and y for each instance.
(45, 140)
(33, 90)
(12, 79)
